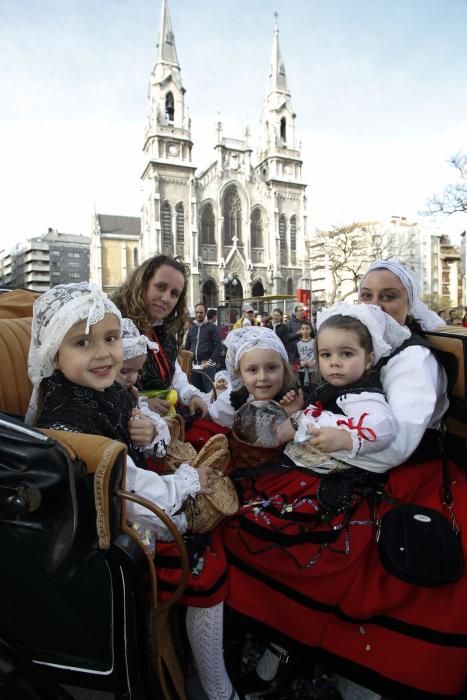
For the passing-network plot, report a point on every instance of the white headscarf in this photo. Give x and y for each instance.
(386, 333)
(54, 313)
(427, 319)
(133, 343)
(241, 340)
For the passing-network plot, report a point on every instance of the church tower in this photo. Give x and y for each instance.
(169, 199)
(280, 169)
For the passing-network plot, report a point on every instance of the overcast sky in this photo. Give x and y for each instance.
(378, 86)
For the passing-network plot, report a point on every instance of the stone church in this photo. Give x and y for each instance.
(240, 223)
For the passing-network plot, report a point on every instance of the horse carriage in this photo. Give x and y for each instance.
(79, 602)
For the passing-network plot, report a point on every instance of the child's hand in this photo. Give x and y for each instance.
(159, 406)
(205, 479)
(135, 392)
(196, 403)
(330, 439)
(293, 401)
(142, 431)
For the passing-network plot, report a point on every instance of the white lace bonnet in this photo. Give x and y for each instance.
(54, 313)
(386, 333)
(133, 343)
(241, 340)
(427, 319)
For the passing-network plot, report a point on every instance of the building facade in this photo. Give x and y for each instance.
(43, 261)
(240, 223)
(339, 258)
(114, 249)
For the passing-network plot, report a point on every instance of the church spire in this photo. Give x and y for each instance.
(277, 76)
(166, 51)
(278, 118)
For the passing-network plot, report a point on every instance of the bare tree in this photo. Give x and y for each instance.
(453, 199)
(346, 253)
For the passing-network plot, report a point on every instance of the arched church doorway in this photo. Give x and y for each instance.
(209, 294)
(257, 290)
(233, 290)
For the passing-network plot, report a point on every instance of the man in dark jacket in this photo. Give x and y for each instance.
(204, 341)
(279, 327)
(295, 333)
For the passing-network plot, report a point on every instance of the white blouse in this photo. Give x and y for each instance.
(415, 386)
(168, 492)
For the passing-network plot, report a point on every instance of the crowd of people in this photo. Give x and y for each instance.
(362, 398)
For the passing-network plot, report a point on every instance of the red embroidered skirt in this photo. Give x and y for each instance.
(337, 597)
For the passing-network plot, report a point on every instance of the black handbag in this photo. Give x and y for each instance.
(420, 545)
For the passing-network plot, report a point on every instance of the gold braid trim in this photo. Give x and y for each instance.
(101, 496)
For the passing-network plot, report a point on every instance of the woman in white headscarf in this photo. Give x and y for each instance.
(413, 380)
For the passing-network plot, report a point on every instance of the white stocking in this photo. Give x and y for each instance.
(267, 666)
(205, 628)
(352, 691)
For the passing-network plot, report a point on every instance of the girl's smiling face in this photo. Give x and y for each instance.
(92, 360)
(262, 372)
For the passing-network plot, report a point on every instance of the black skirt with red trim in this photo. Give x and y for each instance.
(322, 586)
(207, 582)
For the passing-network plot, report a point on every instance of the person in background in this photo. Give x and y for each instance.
(212, 316)
(247, 313)
(452, 317)
(464, 318)
(204, 341)
(295, 333)
(308, 369)
(279, 327)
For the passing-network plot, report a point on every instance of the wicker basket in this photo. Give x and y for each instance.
(248, 456)
(178, 453)
(204, 512)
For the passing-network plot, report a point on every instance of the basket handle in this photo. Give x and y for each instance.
(162, 515)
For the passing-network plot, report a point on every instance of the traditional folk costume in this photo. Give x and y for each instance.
(317, 585)
(68, 406)
(162, 370)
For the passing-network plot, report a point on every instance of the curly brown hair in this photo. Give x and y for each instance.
(130, 297)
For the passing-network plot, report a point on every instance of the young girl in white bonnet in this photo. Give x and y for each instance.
(74, 359)
(351, 340)
(144, 421)
(257, 366)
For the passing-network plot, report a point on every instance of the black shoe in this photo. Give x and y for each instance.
(253, 687)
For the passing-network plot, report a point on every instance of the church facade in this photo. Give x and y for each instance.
(240, 223)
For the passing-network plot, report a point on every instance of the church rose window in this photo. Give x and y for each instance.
(256, 229)
(232, 216)
(208, 225)
(166, 221)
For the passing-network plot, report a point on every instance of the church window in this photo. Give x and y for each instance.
(283, 130)
(180, 228)
(293, 238)
(169, 107)
(208, 235)
(256, 229)
(232, 216)
(283, 239)
(166, 221)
